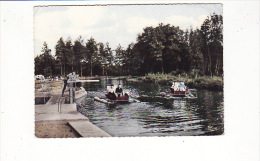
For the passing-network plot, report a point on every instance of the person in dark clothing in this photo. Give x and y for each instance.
(112, 96)
(119, 90)
(65, 85)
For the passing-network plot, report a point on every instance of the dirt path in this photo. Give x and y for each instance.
(55, 131)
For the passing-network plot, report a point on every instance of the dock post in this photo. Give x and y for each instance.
(71, 91)
(72, 81)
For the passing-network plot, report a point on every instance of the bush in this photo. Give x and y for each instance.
(201, 82)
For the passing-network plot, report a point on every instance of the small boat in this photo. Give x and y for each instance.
(178, 89)
(116, 94)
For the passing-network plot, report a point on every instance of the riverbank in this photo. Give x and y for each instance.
(199, 82)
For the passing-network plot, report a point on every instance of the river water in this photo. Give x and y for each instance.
(153, 114)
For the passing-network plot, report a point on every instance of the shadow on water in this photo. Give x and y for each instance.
(154, 115)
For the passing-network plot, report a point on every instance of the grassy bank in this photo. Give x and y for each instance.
(200, 82)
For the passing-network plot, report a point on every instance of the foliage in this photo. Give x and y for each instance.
(164, 49)
(44, 63)
(202, 82)
(212, 45)
(92, 55)
(61, 55)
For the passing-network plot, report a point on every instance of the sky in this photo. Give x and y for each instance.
(116, 24)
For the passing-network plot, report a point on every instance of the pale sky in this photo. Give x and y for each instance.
(117, 24)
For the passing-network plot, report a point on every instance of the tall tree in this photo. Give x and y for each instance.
(119, 59)
(102, 57)
(109, 58)
(128, 60)
(91, 47)
(212, 44)
(48, 60)
(61, 55)
(163, 47)
(39, 64)
(195, 50)
(108, 54)
(79, 54)
(145, 50)
(69, 55)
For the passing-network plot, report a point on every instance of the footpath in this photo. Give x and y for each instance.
(67, 113)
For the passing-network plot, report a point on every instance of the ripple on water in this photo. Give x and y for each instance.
(155, 115)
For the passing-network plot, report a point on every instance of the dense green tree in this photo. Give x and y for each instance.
(144, 50)
(212, 44)
(61, 55)
(91, 48)
(119, 60)
(196, 59)
(102, 57)
(109, 59)
(48, 59)
(129, 60)
(45, 62)
(109, 54)
(39, 64)
(79, 52)
(69, 56)
(163, 49)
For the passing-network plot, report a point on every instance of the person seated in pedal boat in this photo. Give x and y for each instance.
(110, 88)
(119, 90)
(182, 86)
(173, 84)
(111, 92)
(176, 86)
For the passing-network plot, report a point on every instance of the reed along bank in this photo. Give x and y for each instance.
(192, 81)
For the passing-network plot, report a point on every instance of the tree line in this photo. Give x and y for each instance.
(163, 49)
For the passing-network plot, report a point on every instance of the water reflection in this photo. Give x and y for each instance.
(154, 115)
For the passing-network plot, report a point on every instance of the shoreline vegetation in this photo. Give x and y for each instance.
(192, 81)
(199, 82)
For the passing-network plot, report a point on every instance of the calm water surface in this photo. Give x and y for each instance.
(154, 114)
